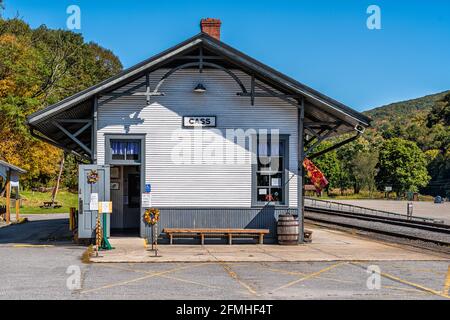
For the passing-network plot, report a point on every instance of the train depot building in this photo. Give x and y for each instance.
(204, 133)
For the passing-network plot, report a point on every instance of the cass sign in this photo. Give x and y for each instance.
(199, 121)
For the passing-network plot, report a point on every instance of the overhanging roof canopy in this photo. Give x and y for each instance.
(201, 51)
(5, 166)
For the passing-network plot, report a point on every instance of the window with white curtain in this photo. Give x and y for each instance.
(126, 150)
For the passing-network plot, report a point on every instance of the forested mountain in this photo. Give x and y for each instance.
(407, 148)
(402, 111)
(424, 121)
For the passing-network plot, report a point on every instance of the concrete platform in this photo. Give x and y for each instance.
(328, 245)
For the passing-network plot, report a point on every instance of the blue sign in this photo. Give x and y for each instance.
(148, 187)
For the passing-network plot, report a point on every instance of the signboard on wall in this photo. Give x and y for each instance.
(105, 207)
(146, 200)
(199, 121)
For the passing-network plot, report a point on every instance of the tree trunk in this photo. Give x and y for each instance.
(55, 190)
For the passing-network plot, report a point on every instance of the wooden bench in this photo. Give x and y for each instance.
(49, 204)
(229, 233)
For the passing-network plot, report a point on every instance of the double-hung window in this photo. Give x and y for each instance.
(270, 170)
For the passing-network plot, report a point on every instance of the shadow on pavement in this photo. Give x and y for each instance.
(54, 231)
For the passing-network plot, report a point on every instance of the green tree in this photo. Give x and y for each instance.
(402, 165)
(346, 155)
(330, 166)
(439, 169)
(364, 169)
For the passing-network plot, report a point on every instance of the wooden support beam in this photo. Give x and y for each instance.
(337, 145)
(74, 120)
(71, 136)
(94, 130)
(82, 129)
(57, 145)
(8, 196)
(300, 175)
(316, 124)
(252, 90)
(321, 138)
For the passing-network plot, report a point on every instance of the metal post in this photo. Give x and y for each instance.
(17, 204)
(301, 156)
(105, 245)
(409, 210)
(94, 131)
(8, 196)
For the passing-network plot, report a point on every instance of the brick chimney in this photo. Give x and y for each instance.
(211, 26)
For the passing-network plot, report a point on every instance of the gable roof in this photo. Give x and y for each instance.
(270, 75)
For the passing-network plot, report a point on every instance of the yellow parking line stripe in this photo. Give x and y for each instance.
(156, 274)
(405, 289)
(409, 283)
(310, 276)
(115, 284)
(33, 245)
(298, 273)
(446, 289)
(415, 285)
(233, 275)
(189, 281)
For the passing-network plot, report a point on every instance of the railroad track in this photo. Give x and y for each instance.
(437, 233)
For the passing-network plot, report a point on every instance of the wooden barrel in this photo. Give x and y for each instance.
(287, 229)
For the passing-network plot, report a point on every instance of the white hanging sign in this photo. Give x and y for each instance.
(93, 203)
(146, 200)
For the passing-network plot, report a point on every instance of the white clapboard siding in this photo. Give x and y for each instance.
(196, 184)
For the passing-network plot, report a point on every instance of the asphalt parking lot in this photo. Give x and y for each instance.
(48, 269)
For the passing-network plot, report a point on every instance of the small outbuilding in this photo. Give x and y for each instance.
(206, 134)
(10, 175)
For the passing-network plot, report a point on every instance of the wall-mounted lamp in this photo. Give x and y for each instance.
(200, 88)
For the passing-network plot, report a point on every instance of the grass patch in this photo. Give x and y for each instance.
(32, 200)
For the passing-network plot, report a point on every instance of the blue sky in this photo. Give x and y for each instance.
(324, 44)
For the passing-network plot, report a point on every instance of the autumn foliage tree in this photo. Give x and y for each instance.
(39, 67)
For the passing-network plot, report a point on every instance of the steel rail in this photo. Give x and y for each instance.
(349, 208)
(441, 228)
